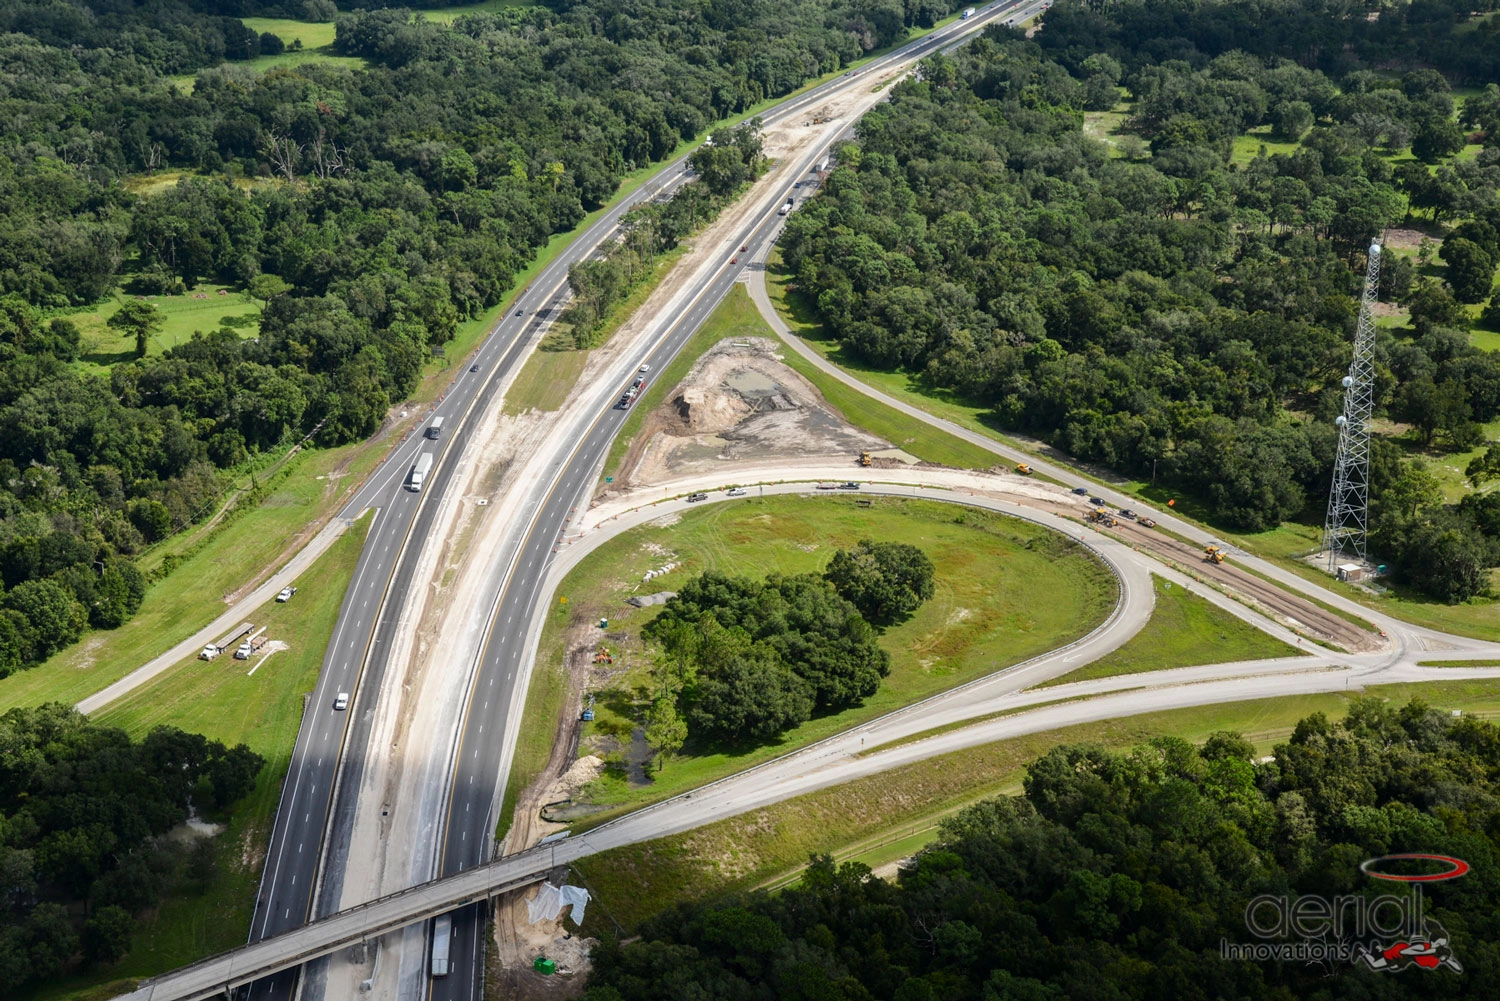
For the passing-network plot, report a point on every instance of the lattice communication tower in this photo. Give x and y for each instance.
(1344, 532)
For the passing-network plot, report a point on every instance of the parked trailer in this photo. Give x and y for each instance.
(442, 933)
(419, 471)
(212, 650)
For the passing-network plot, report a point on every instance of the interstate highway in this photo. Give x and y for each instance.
(297, 883)
(355, 660)
(477, 783)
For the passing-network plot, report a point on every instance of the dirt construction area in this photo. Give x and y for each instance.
(741, 404)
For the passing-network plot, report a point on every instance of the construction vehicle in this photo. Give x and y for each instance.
(1213, 554)
(1101, 517)
(1024, 468)
(864, 459)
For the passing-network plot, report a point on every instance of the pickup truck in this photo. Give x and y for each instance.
(285, 594)
(695, 498)
(850, 485)
(736, 492)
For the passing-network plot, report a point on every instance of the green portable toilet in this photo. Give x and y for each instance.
(544, 966)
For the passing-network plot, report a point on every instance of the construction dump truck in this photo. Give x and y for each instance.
(1213, 554)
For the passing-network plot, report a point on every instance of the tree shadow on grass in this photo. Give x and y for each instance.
(108, 358)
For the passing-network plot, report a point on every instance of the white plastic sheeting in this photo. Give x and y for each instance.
(550, 900)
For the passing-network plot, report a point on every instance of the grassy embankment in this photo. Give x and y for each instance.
(888, 816)
(1184, 630)
(224, 701)
(1007, 590)
(210, 568)
(1280, 544)
(736, 318)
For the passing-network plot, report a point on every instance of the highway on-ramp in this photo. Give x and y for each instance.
(477, 780)
(1007, 707)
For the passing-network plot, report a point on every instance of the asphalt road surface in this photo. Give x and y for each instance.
(304, 866)
(477, 783)
(355, 660)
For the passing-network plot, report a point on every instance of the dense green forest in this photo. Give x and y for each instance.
(368, 211)
(741, 661)
(1157, 306)
(83, 811)
(1117, 877)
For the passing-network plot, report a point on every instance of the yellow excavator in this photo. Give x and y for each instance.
(1023, 468)
(1213, 554)
(864, 459)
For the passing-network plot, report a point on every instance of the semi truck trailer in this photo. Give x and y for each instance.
(419, 471)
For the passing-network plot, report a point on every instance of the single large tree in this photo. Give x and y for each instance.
(139, 318)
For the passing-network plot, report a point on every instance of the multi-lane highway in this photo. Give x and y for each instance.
(329, 752)
(858, 752)
(304, 868)
(477, 782)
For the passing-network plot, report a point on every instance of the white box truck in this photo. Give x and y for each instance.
(967, 14)
(419, 471)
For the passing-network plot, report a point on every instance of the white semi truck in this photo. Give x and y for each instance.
(419, 471)
(442, 932)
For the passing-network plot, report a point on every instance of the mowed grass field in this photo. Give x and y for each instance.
(741, 853)
(193, 595)
(1184, 630)
(102, 347)
(1006, 591)
(222, 700)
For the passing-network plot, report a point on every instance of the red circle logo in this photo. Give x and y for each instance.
(1456, 868)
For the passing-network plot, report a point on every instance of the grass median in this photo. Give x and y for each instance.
(1184, 630)
(890, 815)
(222, 700)
(1006, 591)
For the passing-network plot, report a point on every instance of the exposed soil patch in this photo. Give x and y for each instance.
(741, 404)
(1411, 239)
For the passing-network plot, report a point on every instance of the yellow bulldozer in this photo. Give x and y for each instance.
(1213, 554)
(864, 459)
(1023, 468)
(1100, 516)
